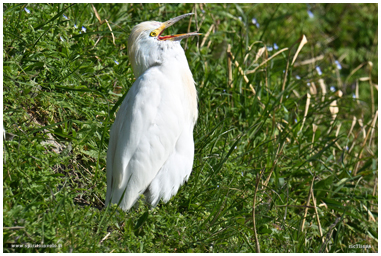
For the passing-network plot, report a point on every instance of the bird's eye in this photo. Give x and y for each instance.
(153, 33)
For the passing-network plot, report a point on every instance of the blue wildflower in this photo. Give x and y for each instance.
(269, 48)
(26, 10)
(83, 29)
(65, 16)
(333, 89)
(62, 39)
(297, 77)
(117, 63)
(337, 64)
(276, 46)
(319, 70)
(254, 21)
(310, 14)
(75, 25)
(354, 96)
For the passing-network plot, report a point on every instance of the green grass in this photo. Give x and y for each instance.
(62, 87)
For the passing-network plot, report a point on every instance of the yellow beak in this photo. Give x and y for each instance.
(169, 23)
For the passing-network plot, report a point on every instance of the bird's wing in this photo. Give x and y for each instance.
(143, 136)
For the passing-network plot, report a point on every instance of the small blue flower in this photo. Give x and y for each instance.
(75, 25)
(218, 186)
(202, 11)
(26, 10)
(333, 89)
(308, 84)
(297, 77)
(338, 65)
(242, 174)
(83, 29)
(310, 14)
(296, 120)
(319, 70)
(269, 48)
(65, 16)
(346, 148)
(240, 18)
(117, 63)
(224, 90)
(235, 147)
(276, 46)
(62, 39)
(254, 21)
(354, 96)
(257, 24)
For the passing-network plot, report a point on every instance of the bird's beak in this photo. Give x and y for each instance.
(177, 37)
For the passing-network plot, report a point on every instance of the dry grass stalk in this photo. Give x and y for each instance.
(353, 125)
(101, 22)
(354, 71)
(207, 35)
(371, 218)
(357, 92)
(308, 203)
(306, 110)
(112, 34)
(257, 247)
(232, 58)
(362, 128)
(337, 134)
(334, 109)
(259, 54)
(310, 61)
(265, 61)
(365, 140)
(372, 127)
(96, 14)
(318, 220)
(370, 83)
(313, 89)
(230, 72)
(323, 88)
(302, 43)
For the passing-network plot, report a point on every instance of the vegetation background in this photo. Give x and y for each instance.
(286, 156)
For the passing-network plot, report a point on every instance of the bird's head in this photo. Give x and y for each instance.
(147, 46)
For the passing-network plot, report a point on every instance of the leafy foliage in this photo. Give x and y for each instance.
(273, 129)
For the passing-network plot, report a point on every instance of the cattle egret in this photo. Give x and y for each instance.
(151, 144)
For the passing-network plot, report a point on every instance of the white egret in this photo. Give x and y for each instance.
(151, 146)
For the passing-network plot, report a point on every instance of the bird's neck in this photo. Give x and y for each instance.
(160, 53)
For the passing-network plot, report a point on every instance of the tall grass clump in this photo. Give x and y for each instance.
(286, 152)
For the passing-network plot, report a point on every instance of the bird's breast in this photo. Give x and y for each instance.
(180, 77)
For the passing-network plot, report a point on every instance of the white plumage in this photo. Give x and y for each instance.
(151, 145)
